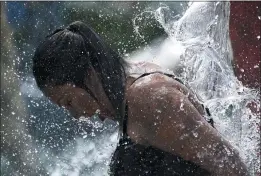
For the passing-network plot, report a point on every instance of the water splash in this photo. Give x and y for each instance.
(203, 61)
(92, 151)
(204, 64)
(198, 51)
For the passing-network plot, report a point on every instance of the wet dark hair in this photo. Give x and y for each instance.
(66, 55)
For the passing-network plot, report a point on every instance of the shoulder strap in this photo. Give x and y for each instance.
(167, 74)
(121, 119)
(125, 122)
(124, 119)
(124, 115)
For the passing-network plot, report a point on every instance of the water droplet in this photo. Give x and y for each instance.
(256, 66)
(195, 134)
(181, 106)
(158, 111)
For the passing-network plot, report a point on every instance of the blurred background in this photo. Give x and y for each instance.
(35, 134)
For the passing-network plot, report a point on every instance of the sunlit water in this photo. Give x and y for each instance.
(198, 51)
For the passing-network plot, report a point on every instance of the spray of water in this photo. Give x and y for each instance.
(92, 151)
(203, 61)
(198, 51)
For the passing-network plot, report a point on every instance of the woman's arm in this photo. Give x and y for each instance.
(171, 122)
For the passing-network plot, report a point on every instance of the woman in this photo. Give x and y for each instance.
(161, 122)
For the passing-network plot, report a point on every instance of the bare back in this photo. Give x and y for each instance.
(165, 114)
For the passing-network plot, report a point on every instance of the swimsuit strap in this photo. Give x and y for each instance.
(125, 113)
(169, 75)
(125, 116)
(125, 122)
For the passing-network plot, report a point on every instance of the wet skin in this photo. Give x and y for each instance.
(162, 113)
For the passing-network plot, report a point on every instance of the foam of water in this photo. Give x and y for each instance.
(91, 153)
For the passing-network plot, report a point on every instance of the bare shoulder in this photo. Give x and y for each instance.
(152, 82)
(146, 91)
(151, 88)
(147, 99)
(163, 117)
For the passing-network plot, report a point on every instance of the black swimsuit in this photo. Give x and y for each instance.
(131, 159)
